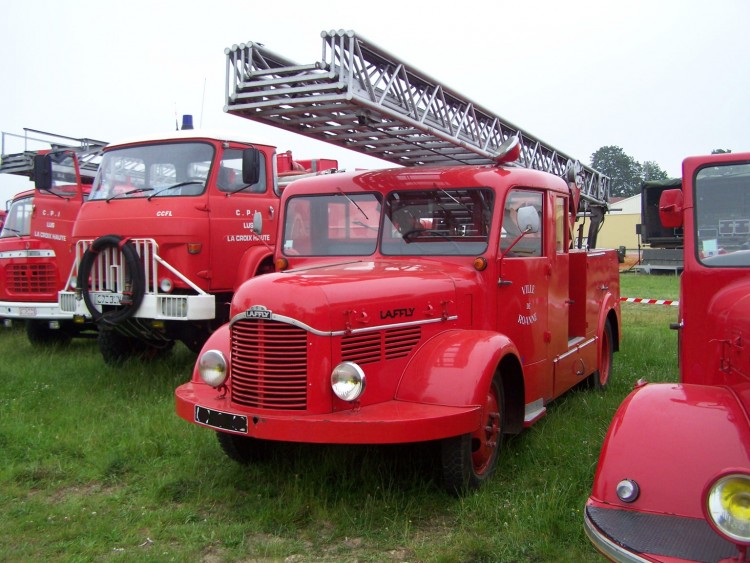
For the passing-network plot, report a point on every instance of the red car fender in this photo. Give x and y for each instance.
(654, 438)
(454, 368)
(250, 263)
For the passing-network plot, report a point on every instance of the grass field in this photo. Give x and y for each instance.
(95, 466)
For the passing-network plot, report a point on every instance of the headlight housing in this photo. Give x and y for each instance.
(726, 504)
(212, 367)
(348, 381)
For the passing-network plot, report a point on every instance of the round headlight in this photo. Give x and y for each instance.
(165, 284)
(212, 367)
(348, 381)
(727, 506)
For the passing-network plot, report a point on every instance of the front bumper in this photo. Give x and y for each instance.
(629, 535)
(33, 310)
(154, 306)
(390, 422)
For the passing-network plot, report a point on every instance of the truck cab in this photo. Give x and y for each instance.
(411, 305)
(35, 251)
(673, 478)
(168, 234)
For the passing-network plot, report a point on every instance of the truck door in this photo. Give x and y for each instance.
(523, 290)
(233, 206)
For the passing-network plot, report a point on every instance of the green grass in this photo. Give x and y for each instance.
(95, 466)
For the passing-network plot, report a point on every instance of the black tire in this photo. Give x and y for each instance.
(120, 314)
(116, 348)
(600, 378)
(39, 333)
(243, 449)
(469, 460)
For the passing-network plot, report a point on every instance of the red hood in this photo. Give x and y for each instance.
(352, 295)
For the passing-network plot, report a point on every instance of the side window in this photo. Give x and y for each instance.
(521, 244)
(230, 174)
(561, 231)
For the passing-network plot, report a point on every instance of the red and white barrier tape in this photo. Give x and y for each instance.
(674, 303)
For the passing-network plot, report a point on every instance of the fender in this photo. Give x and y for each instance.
(219, 340)
(653, 440)
(610, 304)
(454, 368)
(250, 263)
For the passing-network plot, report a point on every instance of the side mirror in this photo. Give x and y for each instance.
(257, 222)
(251, 163)
(671, 208)
(528, 219)
(43, 172)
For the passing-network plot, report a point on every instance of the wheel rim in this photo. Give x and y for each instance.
(606, 364)
(485, 439)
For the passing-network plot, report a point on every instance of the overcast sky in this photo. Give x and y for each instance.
(662, 79)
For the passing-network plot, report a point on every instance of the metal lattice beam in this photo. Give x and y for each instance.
(360, 97)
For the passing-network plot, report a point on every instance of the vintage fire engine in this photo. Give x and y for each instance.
(166, 236)
(437, 301)
(35, 257)
(673, 480)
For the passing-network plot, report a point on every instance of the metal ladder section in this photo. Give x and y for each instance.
(362, 98)
(22, 163)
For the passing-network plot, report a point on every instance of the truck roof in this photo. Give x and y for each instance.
(199, 134)
(435, 176)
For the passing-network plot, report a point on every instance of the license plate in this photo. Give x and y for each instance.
(221, 420)
(107, 298)
(28, 311)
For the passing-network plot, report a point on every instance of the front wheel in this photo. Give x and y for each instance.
(244, 449)
(469, 460)
(39, 333)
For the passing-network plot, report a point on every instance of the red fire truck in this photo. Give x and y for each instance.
(438, 301)
(166, 236)
(673, 480)
(35, 257)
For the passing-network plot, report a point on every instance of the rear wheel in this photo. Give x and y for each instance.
(600, 378)
(243, 449)
(469, 460)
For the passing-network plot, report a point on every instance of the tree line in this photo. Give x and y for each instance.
(625, 172)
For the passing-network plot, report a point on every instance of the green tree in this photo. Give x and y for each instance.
(652, 171)
(625, 172)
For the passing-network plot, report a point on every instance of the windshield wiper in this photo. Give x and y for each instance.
(53, 193)
(133, 191)
(173, 186)
(354, 203)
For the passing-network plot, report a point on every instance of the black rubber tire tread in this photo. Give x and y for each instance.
(115, 347)
(40, 334)
(458, 472)
(133, 264)
(243, 449)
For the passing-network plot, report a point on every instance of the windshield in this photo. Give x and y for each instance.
(18, 221)
(176, 169)
(408, 223)
(722, 215)
(64, 180)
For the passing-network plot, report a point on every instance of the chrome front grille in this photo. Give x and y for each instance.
(269, 365)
